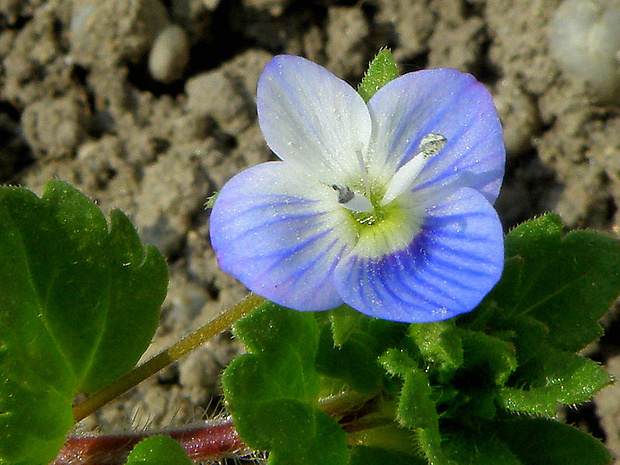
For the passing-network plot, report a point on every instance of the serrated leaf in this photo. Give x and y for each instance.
(138, 287)
(158, 450)
(382, 69)
(440, 347)
(544, 441)
(416, 408)
(272, 392)
(355, 359)
(566, 283)
(62, 307)
(344, 320)
(562, 378)
(488, 358)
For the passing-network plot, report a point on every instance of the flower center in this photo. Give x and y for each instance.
(402, 181)
(387, 218)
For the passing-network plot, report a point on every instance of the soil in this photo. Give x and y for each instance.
(149, 106)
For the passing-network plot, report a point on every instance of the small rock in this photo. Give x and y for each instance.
(55, 127)
(115, 30)
(215, 94)
(169, 55)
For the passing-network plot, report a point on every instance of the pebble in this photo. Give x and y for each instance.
(169, 55)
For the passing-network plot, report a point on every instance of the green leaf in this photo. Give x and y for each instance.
(138, 285)
(562, 378)
(566, 283)
(158, 450)
(416, 407)
(344, 321)
(479, 447)
(78, 307)
(362, 455)
(272, 392)
(440, 347)
(354, 362)
(382, 69)
(355, 359)
(543, 441)
(488, 359)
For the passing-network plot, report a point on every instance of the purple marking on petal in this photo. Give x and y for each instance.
(293, 279)
(290, 251)
(440, 274)
(288, 221)
(450, 103)
(274, 229)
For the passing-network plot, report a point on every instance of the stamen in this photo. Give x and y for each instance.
(344, 193)
(352, 201)
(430, 145)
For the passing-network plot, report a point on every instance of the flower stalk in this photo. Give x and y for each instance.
(167, 356)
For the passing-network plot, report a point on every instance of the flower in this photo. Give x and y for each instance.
(385, 206)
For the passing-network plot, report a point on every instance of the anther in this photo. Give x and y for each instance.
(344, 193)
(431, 144)
(351, 200)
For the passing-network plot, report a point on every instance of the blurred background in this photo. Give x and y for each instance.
(149, 106)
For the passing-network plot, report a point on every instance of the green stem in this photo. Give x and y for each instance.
(167, 356)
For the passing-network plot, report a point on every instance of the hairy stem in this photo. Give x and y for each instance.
(167, 356)
(214, 440)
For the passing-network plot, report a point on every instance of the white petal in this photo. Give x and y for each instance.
(312, 120)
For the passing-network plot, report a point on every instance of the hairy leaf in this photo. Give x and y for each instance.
(537, 440)
(382, 69)
(416, 406)
(567, 283)
(272, 392)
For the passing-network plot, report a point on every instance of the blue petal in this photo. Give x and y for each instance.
(450, 103)
(311, 119)
(281, 234)
(447, 269)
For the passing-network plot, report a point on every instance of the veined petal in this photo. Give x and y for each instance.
(447, 269)
(311, 119)
(281, 234)
(446, 102)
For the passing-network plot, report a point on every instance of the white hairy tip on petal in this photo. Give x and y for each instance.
(351, 200)
(430, 145)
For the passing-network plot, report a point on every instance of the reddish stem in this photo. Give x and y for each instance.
(205, 442)
(210, 441)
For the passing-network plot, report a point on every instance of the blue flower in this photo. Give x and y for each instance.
(385, 206)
